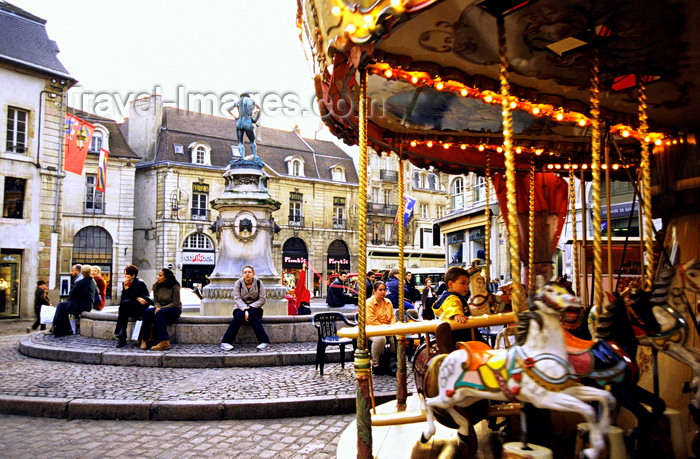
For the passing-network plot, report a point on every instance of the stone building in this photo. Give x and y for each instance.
(98, 226)
(32, 98)
(184, 156)
(423, 240)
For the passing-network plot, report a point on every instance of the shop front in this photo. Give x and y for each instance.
(92, 246)
(10, 269)
(294, 257)
(196, 267)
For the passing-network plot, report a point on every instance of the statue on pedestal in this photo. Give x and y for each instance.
(247, 113)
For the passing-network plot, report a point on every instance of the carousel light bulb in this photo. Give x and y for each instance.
(414, 79)
(488, 99)
(413, 143)
(482, 148)
(513, 105)
(604, 166)
(536, 111)
(550, 166)
(560, 116)
(350, 28)
(566, 166)
(675, 141)
(575, 166)
(584, 166)
(668, 142)
(463, 92)
(499, 149)
(658, 142)
(615, 167)
(463, 146)
(439, 85)
(429, 144)
(582, 122)
(538, 152)
(518, 150)
(625, 133)
(557, 166)
(445, 146)
(388, 73)
(335, 11)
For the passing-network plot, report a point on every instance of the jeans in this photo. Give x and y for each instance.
(254, 316)
(156, 323)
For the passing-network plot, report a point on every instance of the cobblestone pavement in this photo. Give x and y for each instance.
(306, 437)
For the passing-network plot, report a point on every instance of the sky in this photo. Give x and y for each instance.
(188, 51)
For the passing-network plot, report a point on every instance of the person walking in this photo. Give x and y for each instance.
(81, 298)
(134, 301)
(166, 309)
(248, 300)
(41, 298)
(101, 287)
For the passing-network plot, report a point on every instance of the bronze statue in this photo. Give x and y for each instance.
(247, 113)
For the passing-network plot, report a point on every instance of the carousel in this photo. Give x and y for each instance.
(541, 98)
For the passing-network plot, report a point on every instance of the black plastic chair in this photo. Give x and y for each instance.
(325, 323)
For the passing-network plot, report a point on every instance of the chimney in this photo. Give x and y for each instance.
(144, 123)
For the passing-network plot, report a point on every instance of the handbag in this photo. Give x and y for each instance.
(46, 314)
(137, 329)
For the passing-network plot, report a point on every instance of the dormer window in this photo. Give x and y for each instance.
(295, 166)
(100, 139)
(200, 153)
(337, 173)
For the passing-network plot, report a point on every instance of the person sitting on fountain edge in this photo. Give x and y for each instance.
(248, 299)
(452, 305)
(338, 292)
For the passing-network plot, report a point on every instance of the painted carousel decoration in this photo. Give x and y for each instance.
(529, 92)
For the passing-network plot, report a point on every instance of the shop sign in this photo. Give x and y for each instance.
(200, 188)
(289, 260)
(198, 258)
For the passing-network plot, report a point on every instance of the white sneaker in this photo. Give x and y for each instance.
(262, 346)
(226, 346)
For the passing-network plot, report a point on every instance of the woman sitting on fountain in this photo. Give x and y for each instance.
(166, 310)
(248, 298)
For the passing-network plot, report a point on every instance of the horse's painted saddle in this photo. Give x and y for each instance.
(601, 360)
(489, 364)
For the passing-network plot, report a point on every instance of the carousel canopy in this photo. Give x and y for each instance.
(434, 75)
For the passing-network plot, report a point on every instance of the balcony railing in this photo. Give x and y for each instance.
(339, 223)
(200, 214)
(388, 176)
(390, 241)
(382, 209)
(296, 220)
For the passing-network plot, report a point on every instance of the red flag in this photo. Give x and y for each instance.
(102, 170)
(77, 138)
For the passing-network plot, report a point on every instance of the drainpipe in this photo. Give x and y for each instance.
(53, 255)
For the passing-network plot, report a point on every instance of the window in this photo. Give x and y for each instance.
(96, 142)
(200, 153)
(179, 149)
(17, 130)
(457, 193)
(198, 241)
(337, 174)
(479, 189)
(388, 193)
(200, 200)
(432, 181)
(13, 202)
(440, 211)
(339, 213)
(421, 181)
(295, 166)
(424, 211)
(375, 194)
(296, 200)
(94, 198)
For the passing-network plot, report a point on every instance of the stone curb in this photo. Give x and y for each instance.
(173, 359)
(79, 408)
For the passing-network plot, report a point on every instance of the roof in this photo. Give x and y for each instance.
(274, 145)
(118, 148)
(24, 41)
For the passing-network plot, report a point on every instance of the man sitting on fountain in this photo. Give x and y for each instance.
(248, 298)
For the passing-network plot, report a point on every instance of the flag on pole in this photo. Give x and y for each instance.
(409, 203)
(102, 170)
(77, 138)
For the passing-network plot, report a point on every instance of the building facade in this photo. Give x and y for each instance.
(184, 157)
(33, 83)
(423, 241)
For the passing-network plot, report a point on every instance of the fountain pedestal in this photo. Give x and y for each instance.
(244, 227)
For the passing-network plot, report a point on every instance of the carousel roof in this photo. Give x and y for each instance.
(434, 75)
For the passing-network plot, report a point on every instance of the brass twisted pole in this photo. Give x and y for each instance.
(401, 388)
(531, 229)
(361, 363)
(645, 167)
(574, 230)
(595, 169)
(518, 296)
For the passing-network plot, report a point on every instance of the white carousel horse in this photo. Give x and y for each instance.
(537, 372)
(481, 300)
